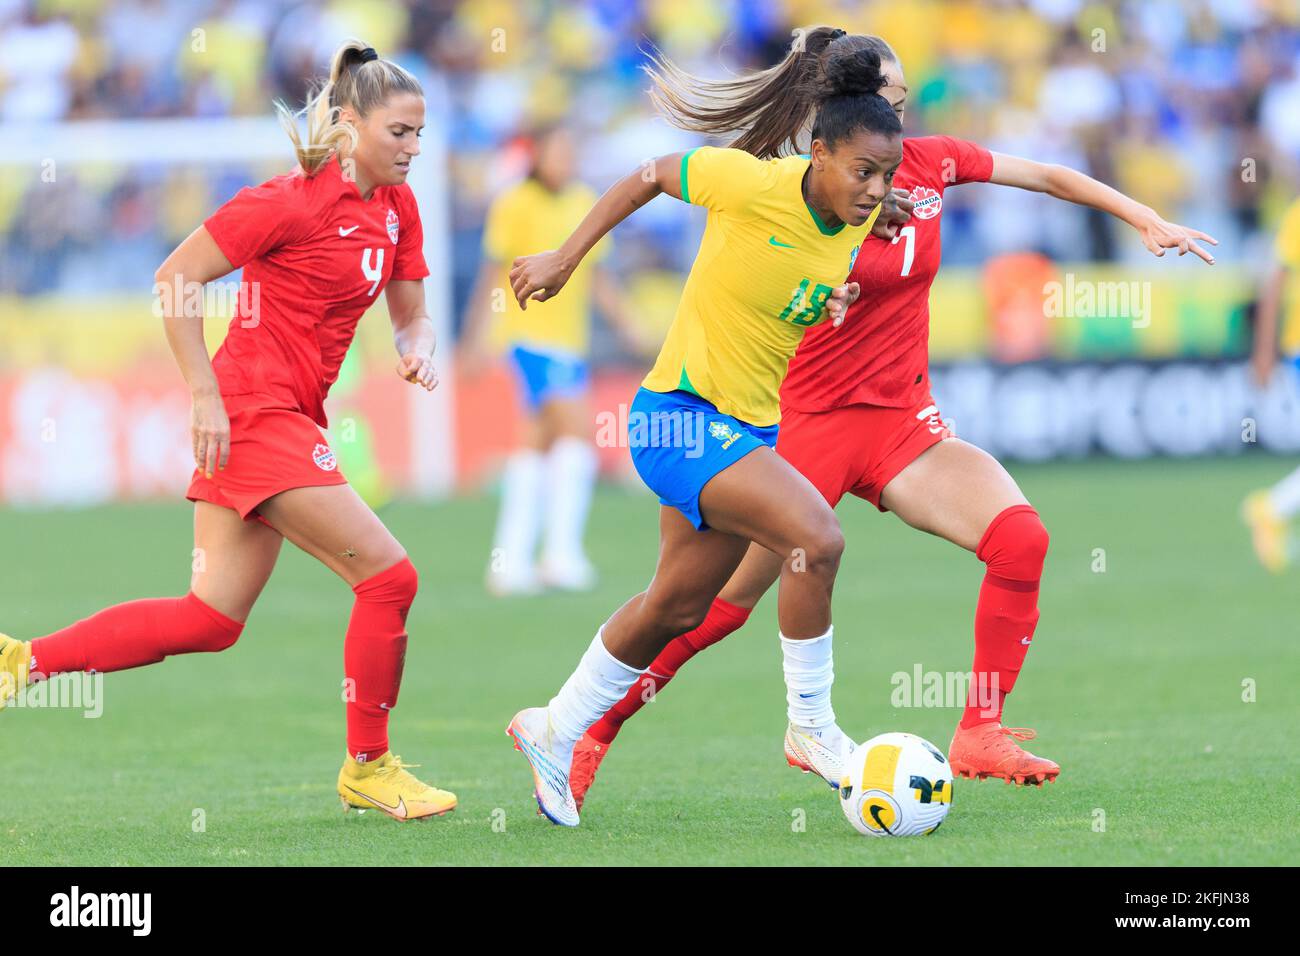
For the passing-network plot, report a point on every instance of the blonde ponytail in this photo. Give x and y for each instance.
(359, 79)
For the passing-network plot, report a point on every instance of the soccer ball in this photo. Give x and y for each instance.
(896, 785)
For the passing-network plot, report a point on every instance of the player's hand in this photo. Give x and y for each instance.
(1158, 235)
(895, 211)
(209, 433)
(841, 297)
(418, 369)
(538, 277)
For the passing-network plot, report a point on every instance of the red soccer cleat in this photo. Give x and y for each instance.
(587, 755)
(988, 750)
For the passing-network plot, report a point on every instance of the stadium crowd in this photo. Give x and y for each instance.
(1193, 106)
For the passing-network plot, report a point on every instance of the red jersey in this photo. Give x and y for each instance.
(879, 355)
(315, 256)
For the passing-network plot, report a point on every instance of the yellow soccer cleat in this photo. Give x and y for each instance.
(1268, 531)
(15, 662)
(385, 785)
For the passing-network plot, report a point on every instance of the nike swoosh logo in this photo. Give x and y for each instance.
(777, 242)
(347, 232)
(1025, 640)
(398, 811)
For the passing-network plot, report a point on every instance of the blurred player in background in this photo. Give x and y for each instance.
(858, 418)
(780, 236)
(1269, 511)
(318, 244)
(548, 480)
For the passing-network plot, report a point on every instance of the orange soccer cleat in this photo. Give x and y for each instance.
(587, 755)
(988, 750)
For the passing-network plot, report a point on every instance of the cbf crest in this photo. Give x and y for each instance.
(724, 433)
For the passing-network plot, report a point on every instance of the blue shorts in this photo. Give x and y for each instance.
(547, 375)
(679, 441)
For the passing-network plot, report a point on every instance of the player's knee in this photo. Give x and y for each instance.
(201, 628)
(396, 585)
(1015, 544)
(1037, 541)
(821, 547)
(408, 581)
(218, 639)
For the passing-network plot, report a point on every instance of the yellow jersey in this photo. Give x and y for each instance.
(526, 219)
(1287, 246)
(766, 265)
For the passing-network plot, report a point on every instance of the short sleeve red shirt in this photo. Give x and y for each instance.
(315, 256)
(879, 355)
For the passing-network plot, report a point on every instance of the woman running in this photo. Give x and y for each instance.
(780, 236)
(548, 480)
(318, 245)
(857, 418)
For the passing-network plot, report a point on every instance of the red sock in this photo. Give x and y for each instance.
(134, 634)
(373, 655)
(722, 619)
(1012, 549)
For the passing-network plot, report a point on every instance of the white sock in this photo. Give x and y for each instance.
(519, 521)
(809, 673)
(599, 683)
(1285, 495)
(570, 475)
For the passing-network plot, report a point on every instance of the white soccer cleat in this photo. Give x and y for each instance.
(823, 752)
(531, 731)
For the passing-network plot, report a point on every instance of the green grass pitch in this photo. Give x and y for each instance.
(1135, 685)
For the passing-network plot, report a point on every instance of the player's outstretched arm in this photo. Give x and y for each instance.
(413, 332)
(178, 283)
(543, 275)
(1076, 187)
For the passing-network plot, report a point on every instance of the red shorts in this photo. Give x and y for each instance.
(858, 449)
(271, 450)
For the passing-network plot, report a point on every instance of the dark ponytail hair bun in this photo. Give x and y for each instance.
(852, 74)
(848, 95)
